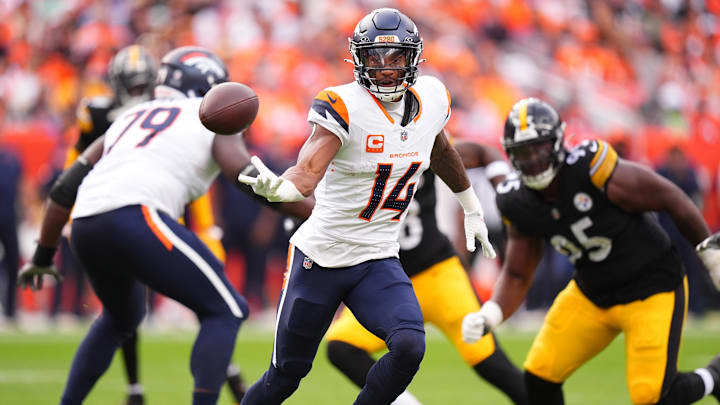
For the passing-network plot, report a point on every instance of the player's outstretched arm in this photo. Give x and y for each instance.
(636, 188)
(523, 253)
(446, 163)
(313, 160)
(62, 198)
(477, 155)
(299, 181)
(232, 156)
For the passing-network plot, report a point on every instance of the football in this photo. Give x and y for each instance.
(228, 108)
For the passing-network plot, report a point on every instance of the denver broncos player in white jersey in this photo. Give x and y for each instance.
(370, 143)
(153, 160)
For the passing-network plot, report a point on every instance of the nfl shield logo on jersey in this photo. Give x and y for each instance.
(307, 263)
(403, 135)
(583, 202)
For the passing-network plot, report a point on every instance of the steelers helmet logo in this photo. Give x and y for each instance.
(583, 202)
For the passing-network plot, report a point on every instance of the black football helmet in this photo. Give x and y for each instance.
(533, 140)
(189, 71)
(380, 37)
(132, 75)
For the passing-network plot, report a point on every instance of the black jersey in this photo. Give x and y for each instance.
(618, 256)
(421, 242)
(94, 117)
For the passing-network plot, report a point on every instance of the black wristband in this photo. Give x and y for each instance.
(43, 256)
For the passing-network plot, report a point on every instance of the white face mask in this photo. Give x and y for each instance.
(541, 180)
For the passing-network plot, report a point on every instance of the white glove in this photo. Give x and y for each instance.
(475, 228)
(31, 275)
(269, 185)
(475, 325)
(474, 222)
(709, 252)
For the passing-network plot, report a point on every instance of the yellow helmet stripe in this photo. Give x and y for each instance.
(134, 56)
(523, 114)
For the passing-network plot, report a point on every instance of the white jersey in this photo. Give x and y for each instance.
(156, 154)
(363, 197)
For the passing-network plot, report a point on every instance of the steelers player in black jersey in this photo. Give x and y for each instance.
(131, 73)
(597, 209)
(442, 287)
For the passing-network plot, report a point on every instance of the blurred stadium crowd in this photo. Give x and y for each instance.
(642, 74)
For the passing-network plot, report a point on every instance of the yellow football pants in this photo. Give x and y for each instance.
(575, 330)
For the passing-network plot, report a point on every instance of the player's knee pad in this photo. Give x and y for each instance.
(274, 387)
(309, 320)
(543, 392)
(280, 383)
(407, 347)
(644, 392)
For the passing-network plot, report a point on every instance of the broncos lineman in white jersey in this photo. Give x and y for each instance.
(370, 143)
(154, 159)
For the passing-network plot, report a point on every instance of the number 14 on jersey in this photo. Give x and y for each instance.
(391, 202)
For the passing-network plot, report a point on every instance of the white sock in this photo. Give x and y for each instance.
(134, 389)
(232, 370)
(406, 398)
(707, 380)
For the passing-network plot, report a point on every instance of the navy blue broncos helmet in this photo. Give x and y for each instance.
(189, 71)
(378, 36)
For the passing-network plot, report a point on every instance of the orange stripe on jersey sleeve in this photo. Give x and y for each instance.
(163, 239)
(417, 97)
(331, 101)
(603, 164)
(449, 99)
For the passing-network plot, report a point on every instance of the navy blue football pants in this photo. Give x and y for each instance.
(379, 294)
(128, 246)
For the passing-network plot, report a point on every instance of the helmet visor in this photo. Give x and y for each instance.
(386, 66)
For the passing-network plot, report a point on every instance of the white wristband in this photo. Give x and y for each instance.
(469, 201)
(288, 191)
(492, 313)
(497, 168)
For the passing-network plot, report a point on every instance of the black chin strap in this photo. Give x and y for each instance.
(412, 108)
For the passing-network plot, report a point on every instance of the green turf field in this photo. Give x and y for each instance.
(33, 368)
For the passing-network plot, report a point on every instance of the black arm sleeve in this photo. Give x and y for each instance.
(65, 189)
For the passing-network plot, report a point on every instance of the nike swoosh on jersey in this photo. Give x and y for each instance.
(332, 100)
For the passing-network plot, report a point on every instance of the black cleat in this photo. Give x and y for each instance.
(237, 387)
(135, 399)
(714, 368)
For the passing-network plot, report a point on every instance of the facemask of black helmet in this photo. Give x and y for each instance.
(132, 75)
(533, 141)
